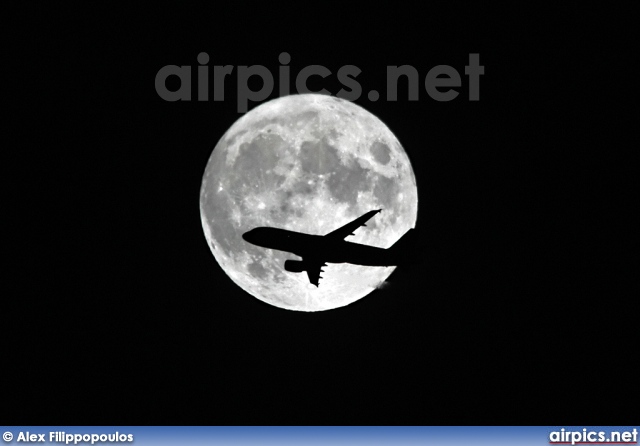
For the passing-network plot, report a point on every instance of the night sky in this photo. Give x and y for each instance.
(521, 313)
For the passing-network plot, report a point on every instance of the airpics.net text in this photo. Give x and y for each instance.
(440, 81)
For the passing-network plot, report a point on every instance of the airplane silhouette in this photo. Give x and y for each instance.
(317, 250)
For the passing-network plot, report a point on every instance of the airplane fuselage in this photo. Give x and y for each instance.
(318, 246)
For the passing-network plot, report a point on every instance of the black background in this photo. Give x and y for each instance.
(523, 313)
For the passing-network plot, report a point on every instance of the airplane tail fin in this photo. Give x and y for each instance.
(406, 249)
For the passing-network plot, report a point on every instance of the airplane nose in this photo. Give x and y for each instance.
(247, 236)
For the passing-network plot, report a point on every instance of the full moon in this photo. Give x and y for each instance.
(309, 163)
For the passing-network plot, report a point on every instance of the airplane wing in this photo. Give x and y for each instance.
(348, 229)
(314, 268)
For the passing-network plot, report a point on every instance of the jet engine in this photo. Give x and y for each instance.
(294, 266)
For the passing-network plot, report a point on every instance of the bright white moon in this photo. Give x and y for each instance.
(309, 163)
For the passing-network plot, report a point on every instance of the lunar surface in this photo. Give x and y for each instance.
(309, 163)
